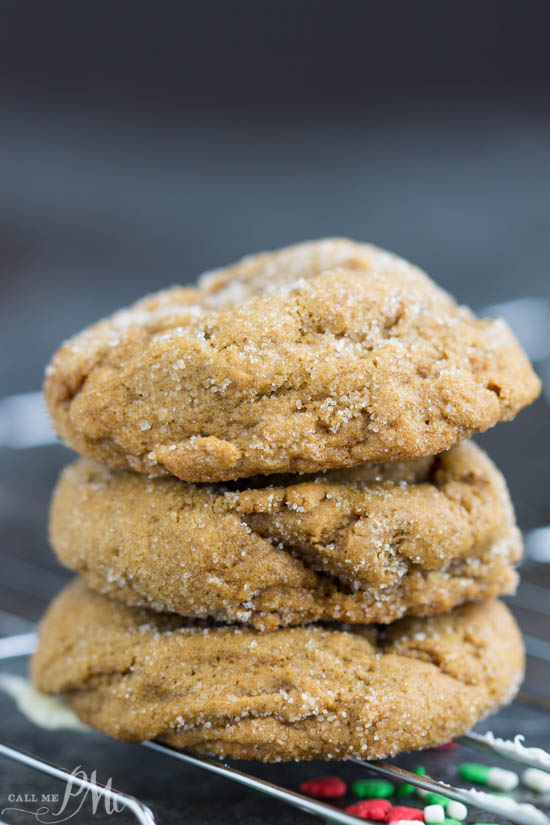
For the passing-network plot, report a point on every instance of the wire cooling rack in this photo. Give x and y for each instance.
(515, 811)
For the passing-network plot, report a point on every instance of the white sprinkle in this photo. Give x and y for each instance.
(502, 779)
(434, 813)
(456, 810)
(538, 781)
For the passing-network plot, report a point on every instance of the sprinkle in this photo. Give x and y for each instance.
(436, 799)
(324, 786)
(497, 778)
(400, 813)
(401, 822)
(375, 809)
(456, 810)
(451, 822)
(372, 788)
(405, 789)
(538, 781)
(446, 746)
(434, 813)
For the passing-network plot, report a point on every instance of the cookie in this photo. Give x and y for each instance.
(368, 544)
(323, 355)
(296, 693)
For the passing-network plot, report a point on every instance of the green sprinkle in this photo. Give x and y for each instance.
(372, 788)
(421, 771)
(451, 822)
(436, 799)
(474, 772)
(405, 789)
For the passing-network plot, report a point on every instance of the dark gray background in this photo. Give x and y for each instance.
(141, 143)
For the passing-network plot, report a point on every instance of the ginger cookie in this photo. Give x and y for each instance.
(297, 693)
(368, 544)
(327, 354)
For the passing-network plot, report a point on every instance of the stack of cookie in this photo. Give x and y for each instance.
(286, 547)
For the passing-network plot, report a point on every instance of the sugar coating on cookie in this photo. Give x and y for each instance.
(295, 693)
(368, 544)
(322, 355)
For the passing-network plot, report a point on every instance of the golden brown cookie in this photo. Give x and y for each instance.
(296, 693)
(369, 544)
(326, 354)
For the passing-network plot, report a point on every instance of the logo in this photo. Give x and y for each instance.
(80, 790)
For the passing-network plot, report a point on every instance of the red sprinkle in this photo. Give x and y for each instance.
(446, 746)
(400, 812)
(324, 786)
(377, 809)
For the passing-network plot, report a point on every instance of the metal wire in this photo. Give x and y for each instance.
(475, 740)
(142, 813)
(539, 648)
(25, 643)
(296, 800)
(21, 645)
(512, 810)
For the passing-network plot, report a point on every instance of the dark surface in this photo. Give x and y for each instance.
(182, 794)
(142, 143)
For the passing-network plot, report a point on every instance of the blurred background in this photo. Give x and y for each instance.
(144, 142)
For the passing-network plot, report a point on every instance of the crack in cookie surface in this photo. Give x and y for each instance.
(367, 544)
(296, 693)
(327, 354)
